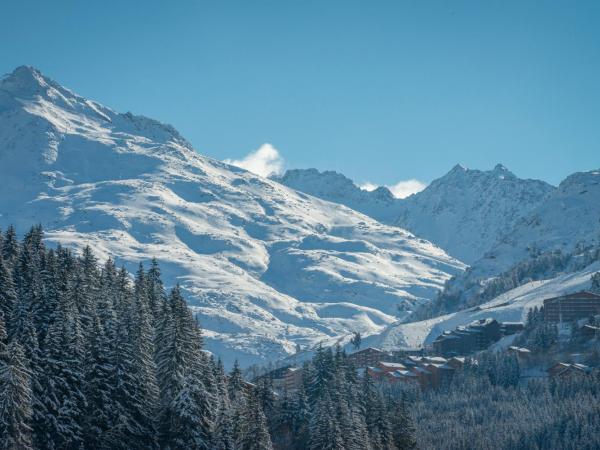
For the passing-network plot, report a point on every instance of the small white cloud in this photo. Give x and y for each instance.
(265, 161)
(368, 186)
(402, 189)
(407, 187)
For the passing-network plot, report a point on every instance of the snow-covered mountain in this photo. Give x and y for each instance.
(568, 217)
(464, 212)
(266, 268)
(567, 220)
(379, 204)
(511, 306)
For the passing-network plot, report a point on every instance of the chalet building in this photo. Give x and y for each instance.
(463, 340)
(572, 307)
(292, 379)
(456, 362)
(285, 379)
(425, 372)
(523, 354)
(509, 328)
(400, 353)
(388, 367)
(368, 357)
(562, 369)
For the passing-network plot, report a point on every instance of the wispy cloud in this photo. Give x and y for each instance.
(402, 189)
(368, 186)
(265, 161)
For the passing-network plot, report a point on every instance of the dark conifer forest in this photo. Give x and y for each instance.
(93, 357)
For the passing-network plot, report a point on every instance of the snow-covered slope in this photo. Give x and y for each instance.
(335, 187)
(568, 217)
(464, 212)
(512, 306)
(567, 220)
(264, 266)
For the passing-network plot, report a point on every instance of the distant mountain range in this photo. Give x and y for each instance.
(268, 269)
(491, 220)
(270, 266)
(465, 212)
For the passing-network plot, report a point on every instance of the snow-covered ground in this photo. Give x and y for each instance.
(464, 212)
(266, 268)
(512, 306)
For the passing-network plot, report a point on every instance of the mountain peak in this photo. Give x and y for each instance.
(502, 172)
(458, 168)
(25, 80)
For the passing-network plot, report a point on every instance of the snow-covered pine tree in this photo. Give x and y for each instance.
(324, 431)
(135, 405)
(185, 401)
(10, 246)
(237, 399)
(256, 433)
(403, 430)
(3, 337)
(156, 291)
(62, 381)
(8, 294)
(15, 400)
(99, 389)
(85, 286)
(223, 438)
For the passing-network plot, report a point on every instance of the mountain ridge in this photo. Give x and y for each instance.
(492, 201)
(266, 268)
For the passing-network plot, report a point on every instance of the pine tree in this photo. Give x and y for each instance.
(8, 294)
(185, 401)
(256, 433)
(99, 389)
(29, 276)
(15, 401)
(135, 405)
(10, 246)
(3, 337)
(403, 430)
(85, 287)
(223, 438)
(62, 381)
(156, 291)
(235, 386)
(324, 431)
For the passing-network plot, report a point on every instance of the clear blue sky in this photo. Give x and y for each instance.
(379, 90)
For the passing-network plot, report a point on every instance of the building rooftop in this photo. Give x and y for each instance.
(391, 365)
(581, 294)
(519, 349)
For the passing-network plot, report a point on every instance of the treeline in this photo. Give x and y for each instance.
(485, 407)
(94, 358)
(540, 265)
(336, 409)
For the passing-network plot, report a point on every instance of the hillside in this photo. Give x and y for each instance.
(512, 306)
(465, 212)
(266, 268)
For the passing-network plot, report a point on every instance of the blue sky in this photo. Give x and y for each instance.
(382, 91)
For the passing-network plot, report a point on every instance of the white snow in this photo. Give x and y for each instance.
(464, 212)
(512, 306)
(264, 266)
